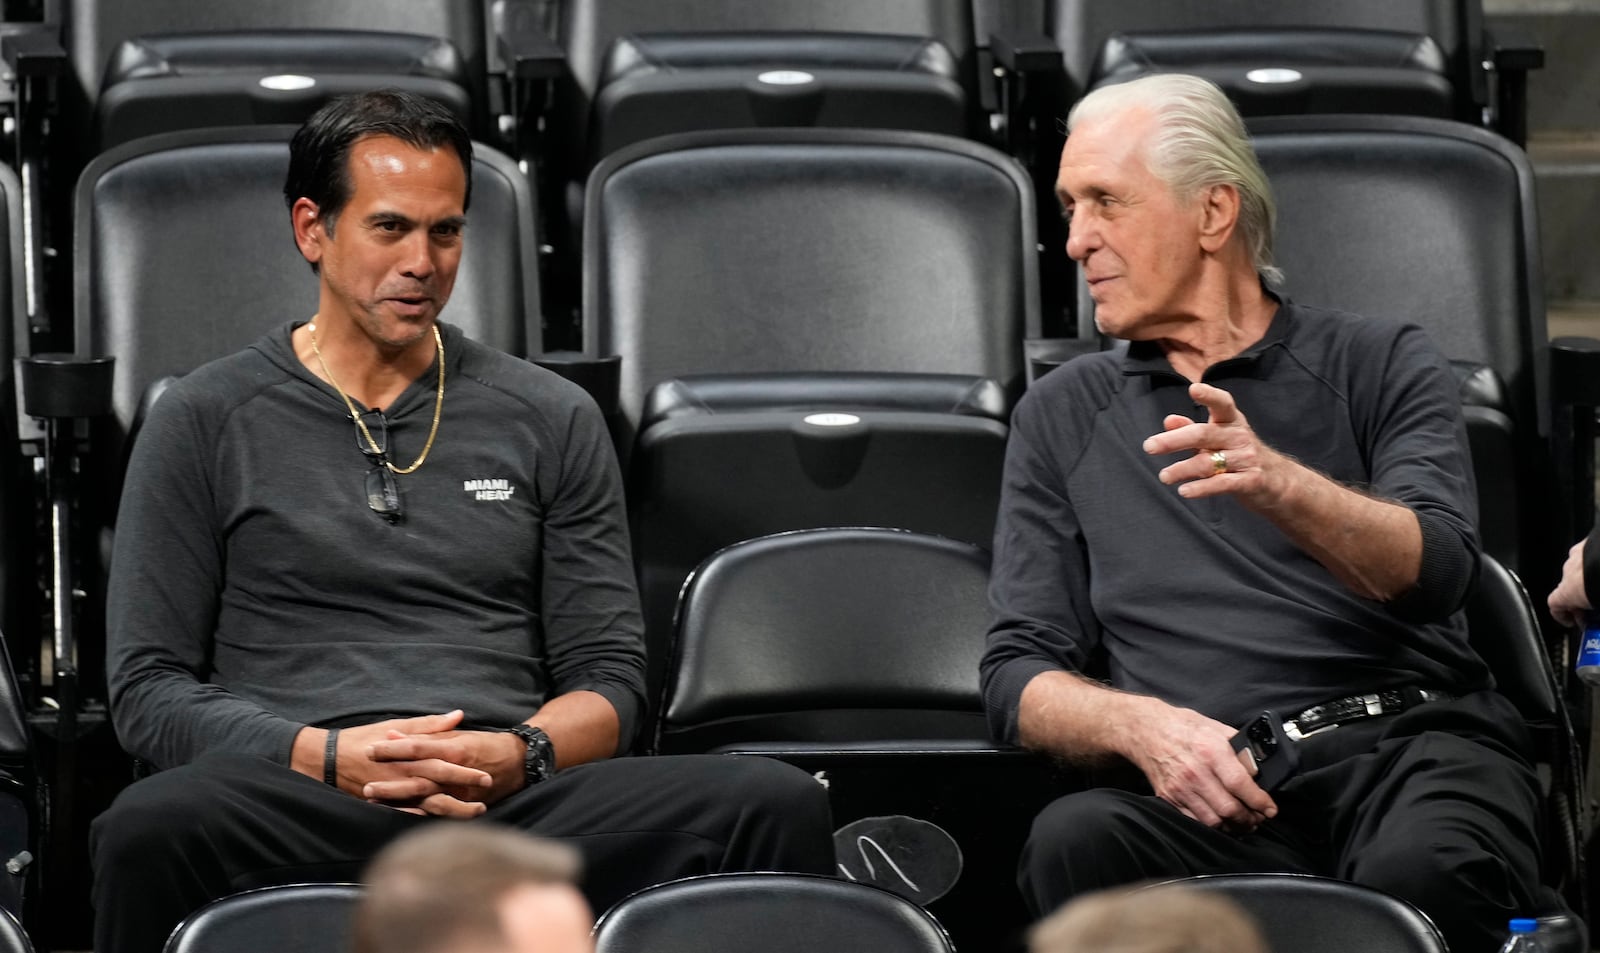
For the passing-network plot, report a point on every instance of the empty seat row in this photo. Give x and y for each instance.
(560, 85)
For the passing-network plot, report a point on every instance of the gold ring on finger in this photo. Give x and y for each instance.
(1219, 462)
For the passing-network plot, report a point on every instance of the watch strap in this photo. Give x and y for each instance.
(539, 761)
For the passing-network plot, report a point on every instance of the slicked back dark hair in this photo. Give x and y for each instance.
(319, 154)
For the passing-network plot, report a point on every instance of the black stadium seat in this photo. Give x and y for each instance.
(788, 35)
(774, 913)
(306, 918)
(854, 652)
(832, 271)
(1434, 222)
(826, 640)
(772, 251)
(1319, 915)
(1285, 57)
(659, 83)
(164, 82)
(207, 46)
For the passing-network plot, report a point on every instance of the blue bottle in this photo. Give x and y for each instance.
(1524, 937)
(1588, 666)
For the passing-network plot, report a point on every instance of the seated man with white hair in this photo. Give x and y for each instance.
(1259, 516)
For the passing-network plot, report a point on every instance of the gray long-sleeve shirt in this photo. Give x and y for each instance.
(1203, 603)
(253, 590)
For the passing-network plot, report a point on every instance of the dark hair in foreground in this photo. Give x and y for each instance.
(319, 154)
(442, 884)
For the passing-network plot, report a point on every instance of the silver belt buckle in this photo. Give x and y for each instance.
(1291, 730)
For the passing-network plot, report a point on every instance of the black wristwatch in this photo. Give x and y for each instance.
(539, 763)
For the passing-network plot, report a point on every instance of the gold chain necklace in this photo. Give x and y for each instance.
(438, 404)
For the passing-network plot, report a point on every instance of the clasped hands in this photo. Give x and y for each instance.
(427, 765)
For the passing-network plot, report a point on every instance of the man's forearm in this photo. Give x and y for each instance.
(1076, 718)
(582, 726)
(1373, 546)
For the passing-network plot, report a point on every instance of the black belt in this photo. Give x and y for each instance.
(1390, 701)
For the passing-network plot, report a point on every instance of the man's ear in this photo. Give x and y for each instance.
(1219, 213)
(309, 228)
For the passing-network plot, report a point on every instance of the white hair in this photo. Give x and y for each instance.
(1199, 142)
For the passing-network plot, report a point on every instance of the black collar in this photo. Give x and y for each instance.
(1146, 358)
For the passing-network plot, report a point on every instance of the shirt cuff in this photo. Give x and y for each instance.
(1449, 568)
(1002, 695)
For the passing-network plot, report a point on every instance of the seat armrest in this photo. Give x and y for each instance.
(1046, 354)
(33, 50)
(60, 386)
(528, 53)
(1575, 371)
(1025, 52)
(1513, 49)
(1511, 55)
(600, 376)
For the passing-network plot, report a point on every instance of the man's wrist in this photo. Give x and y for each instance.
(539, 754)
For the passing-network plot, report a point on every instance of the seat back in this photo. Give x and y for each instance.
(165, 82)
(93, 29)
(659, 83)
(21, 638)
(1432, 222)
(762, 251)
(773, 913)
(587, 28)
(1320, 915)
(16, 525)
(306, 918)
(1504, 630)
(830, 636)
(13, 939)
(1081, 27)
(223, 268)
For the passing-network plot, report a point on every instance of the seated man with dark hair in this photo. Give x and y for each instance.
(1258, 507)
(324, 631)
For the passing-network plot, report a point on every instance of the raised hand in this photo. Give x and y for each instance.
(1227, 458)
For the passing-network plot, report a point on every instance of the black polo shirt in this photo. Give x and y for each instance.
(1099, 567)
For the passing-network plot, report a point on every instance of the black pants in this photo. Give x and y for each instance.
(176, 840)
(1435, 805)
